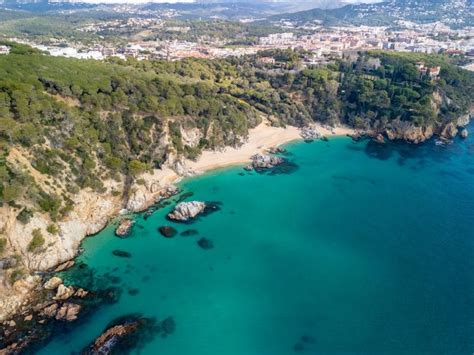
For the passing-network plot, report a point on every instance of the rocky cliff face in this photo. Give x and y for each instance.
(91, 213)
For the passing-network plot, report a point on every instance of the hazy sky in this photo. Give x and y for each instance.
(174, 1)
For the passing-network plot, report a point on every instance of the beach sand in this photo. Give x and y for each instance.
(259, 140)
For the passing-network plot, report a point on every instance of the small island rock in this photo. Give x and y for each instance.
(262, 161)
(185, 211)
(124, 227)
(464, 133)
(167, 231)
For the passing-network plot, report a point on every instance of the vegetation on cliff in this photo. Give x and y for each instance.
(80, 122)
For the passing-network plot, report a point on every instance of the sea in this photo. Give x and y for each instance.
(349, 248)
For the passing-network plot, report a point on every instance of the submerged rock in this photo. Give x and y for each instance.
(205, 243)
(124, 227)
(167, 231)
(121, 253)
(167, 326)
(185, 211)
(189, 233)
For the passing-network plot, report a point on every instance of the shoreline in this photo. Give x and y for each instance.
(260, 139)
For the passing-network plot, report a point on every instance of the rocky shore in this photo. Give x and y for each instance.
(92, 212)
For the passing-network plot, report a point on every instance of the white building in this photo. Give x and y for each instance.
(4, 49)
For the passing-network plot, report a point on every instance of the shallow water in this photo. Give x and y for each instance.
(360, 248)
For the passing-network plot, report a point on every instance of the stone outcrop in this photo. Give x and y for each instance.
(68, 312)
(53, 283)
(464, 133)
(309, 134)
(106, 343)
(263, 161)
(185, 211)
(63, 292)
(407, 131)
(449, 131)
(124, 228)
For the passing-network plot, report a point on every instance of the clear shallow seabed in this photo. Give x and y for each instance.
(362, 249)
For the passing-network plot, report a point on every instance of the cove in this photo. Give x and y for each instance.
(359, 248)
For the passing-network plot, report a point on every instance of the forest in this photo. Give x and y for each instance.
(83, 121)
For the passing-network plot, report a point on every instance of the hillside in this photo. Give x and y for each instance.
(80, 140)
(458, 13)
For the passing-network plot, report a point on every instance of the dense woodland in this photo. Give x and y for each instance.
(81, 122)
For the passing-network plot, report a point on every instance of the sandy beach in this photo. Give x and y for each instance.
(259, 140)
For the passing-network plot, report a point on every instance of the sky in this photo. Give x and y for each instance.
(188, 1)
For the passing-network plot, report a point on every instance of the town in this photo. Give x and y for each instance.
(321, 42)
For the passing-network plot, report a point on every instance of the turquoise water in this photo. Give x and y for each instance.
(361, 249)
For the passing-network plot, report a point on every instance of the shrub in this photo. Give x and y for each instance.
(36, 242)
(3, 244)
(52, 229)
(24, 216)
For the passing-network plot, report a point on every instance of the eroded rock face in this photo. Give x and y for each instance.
(449, 131)
(407, 131)
(185, 211)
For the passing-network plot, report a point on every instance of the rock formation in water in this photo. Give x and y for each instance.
(264, 161)
(184, 211)
(167, 231)
(124, 227)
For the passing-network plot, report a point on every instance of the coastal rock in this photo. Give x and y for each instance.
(379, 139)
(68, 312)
(8, 263)
(50, 310)
(63, 292)
(124, 227)
(276, 150)
(449, 131)
(167, 231)
(185, 211)
(81, 293)
(463, 120)
(112, 337)
(464, 133)
(407, 131)
(64, 266)
(26, 285)
(53, 283)
(262, 161)
(309, 134)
